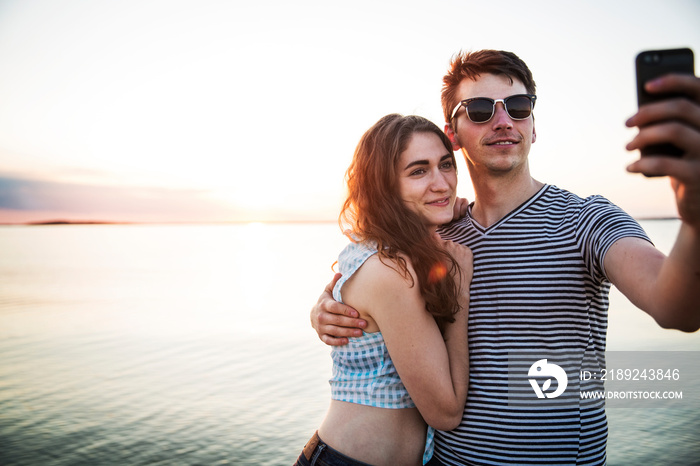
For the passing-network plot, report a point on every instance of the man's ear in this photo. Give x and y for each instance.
(534, 133)
(452, 136)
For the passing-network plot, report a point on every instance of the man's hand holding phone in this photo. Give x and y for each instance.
(673, 118)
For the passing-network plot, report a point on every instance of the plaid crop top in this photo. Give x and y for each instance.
(363, 372)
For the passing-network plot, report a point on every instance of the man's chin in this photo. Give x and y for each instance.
(503, 165)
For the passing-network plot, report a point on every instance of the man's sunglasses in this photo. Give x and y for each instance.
(481, 109)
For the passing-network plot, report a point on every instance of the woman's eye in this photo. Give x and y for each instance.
(419, 171)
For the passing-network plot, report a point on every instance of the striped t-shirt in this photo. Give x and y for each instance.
(538, 287)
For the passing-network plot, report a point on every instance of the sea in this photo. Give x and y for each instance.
(191, 345)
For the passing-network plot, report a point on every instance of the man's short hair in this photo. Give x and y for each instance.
(470, 65)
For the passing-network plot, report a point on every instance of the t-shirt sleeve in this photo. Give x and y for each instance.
(600, 224)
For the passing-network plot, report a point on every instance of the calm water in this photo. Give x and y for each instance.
(191, 345)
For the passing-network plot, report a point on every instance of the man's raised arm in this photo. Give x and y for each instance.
(668, 288)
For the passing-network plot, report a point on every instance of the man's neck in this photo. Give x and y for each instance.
(496, 197)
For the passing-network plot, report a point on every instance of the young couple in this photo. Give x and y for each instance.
(543, 263)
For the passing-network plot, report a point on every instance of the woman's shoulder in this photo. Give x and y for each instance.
(380, 273)
(378, 286)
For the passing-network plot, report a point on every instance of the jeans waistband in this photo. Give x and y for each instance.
(319, 452)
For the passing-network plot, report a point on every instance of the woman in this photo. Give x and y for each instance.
(412, 288)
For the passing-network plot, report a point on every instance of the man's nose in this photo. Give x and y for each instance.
(501, 119)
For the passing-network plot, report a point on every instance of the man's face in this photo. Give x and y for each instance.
(501, 144)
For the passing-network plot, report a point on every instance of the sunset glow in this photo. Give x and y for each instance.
(230, 111)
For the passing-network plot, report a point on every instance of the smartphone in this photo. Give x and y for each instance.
(651, 64)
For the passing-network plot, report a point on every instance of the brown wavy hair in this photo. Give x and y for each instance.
(375, 212)
(471, 65)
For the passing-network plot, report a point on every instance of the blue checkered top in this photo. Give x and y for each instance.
(363, 372)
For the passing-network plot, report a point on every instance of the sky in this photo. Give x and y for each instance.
(221, 111)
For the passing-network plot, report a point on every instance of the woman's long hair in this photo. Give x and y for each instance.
(375, 212)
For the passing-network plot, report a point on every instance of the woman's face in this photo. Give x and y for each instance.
(428, 178)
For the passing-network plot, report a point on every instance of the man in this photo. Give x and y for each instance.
(544, 260)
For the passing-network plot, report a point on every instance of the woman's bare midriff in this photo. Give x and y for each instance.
(378, 436)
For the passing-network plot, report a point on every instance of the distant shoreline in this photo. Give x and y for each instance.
(90, 222)
(232, 222)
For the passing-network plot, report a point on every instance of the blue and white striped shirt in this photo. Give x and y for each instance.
(539, 285)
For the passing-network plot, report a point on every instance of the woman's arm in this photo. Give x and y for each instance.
(434, 370)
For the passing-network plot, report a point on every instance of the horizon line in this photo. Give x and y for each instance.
(158, 222)
(210, 222)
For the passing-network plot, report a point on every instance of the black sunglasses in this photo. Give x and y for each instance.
(481, 109)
